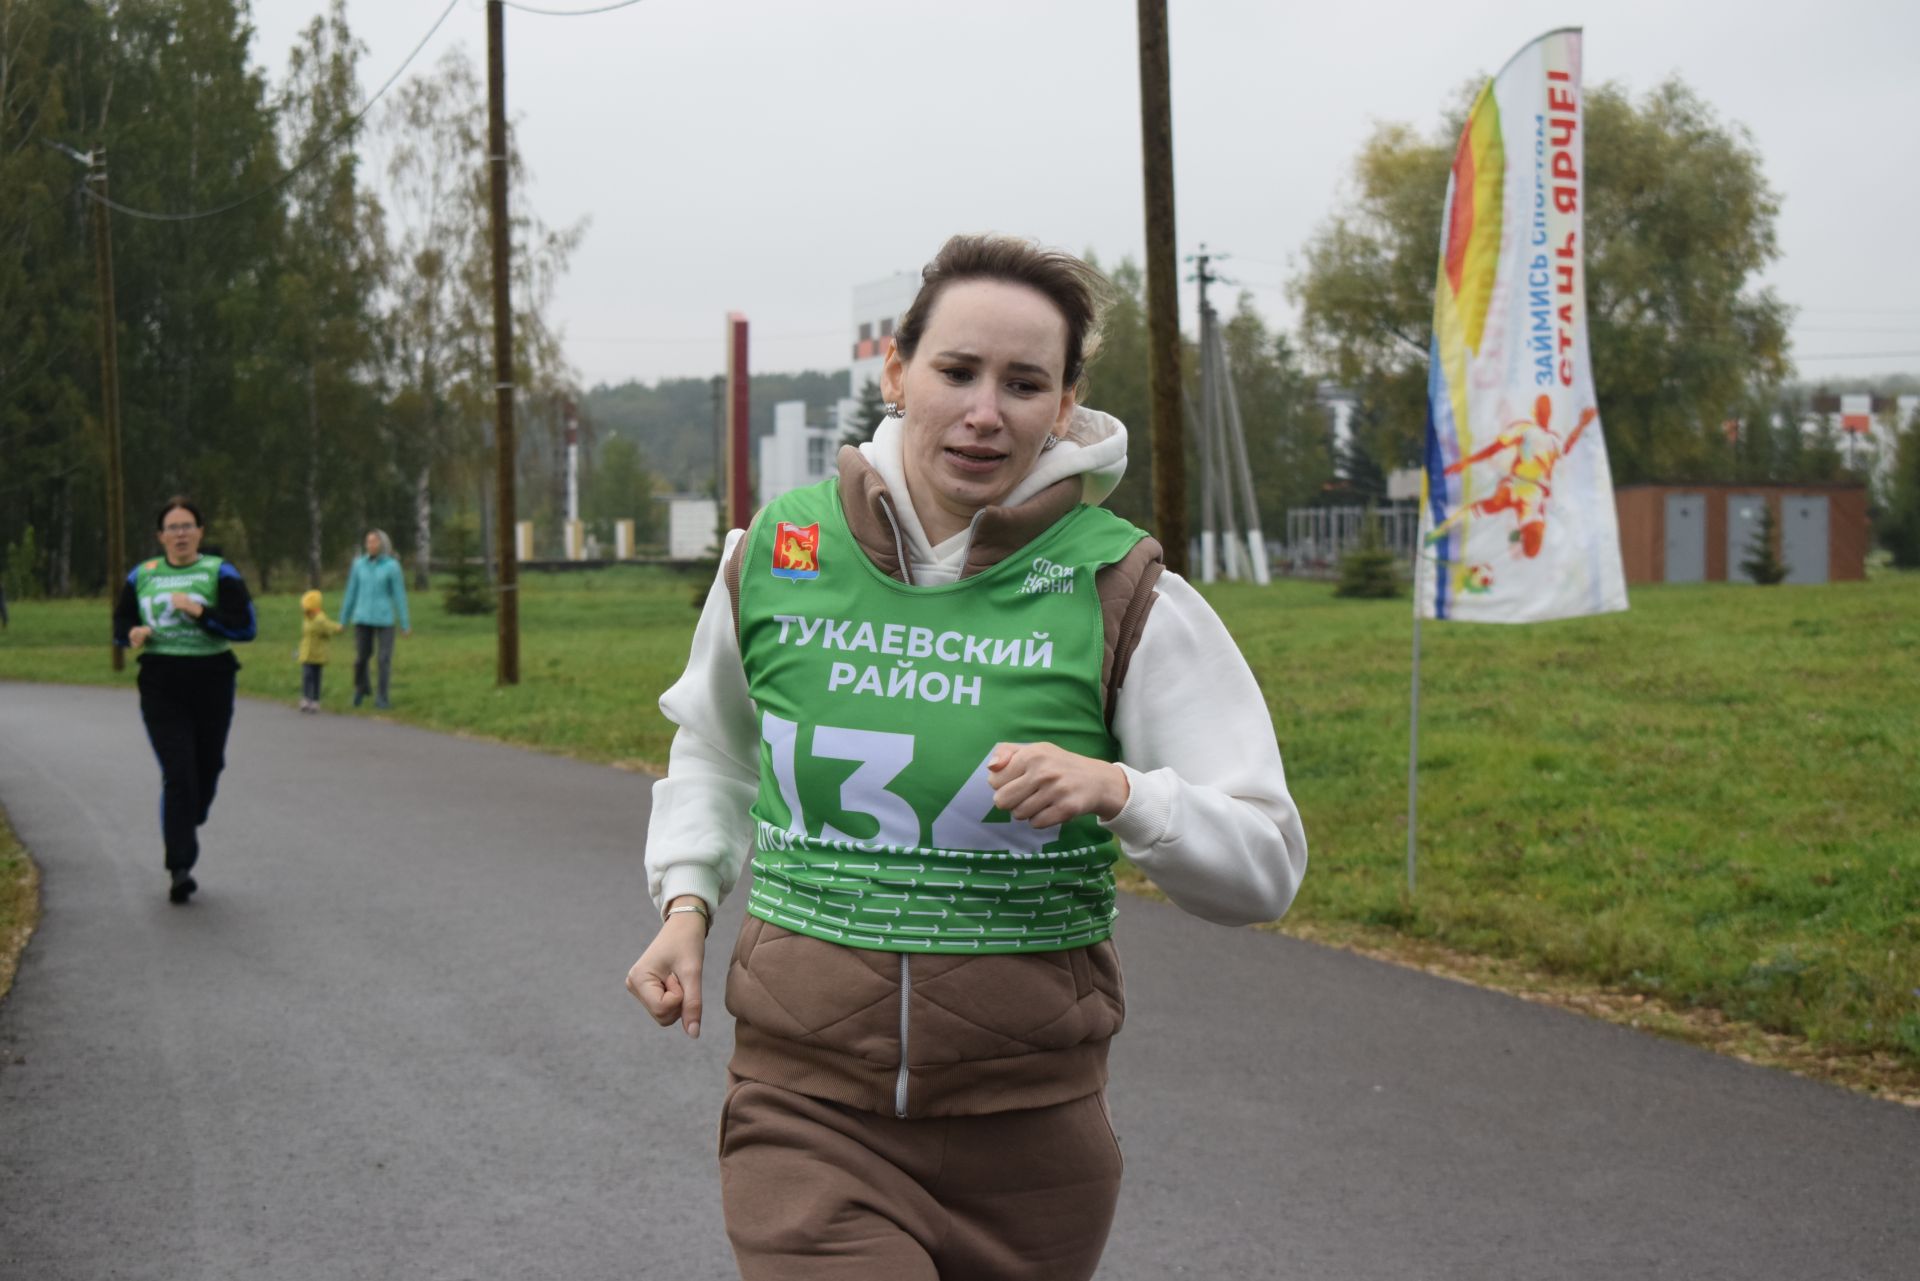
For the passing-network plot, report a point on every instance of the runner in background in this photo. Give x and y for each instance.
(182, 612)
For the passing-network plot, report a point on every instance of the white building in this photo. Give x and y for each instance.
(795, 454)
(692, 527)
(1867, 429)
(877, 309)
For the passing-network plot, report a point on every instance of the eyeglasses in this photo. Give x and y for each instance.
(178, 529)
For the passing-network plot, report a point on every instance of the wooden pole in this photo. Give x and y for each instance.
(738, 502)
(1164, 430)
(109, 390)
(1204, 424)
(506, 452)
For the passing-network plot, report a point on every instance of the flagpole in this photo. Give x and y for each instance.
(1413, 754)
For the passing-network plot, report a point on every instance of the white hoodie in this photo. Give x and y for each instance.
(1208, 817)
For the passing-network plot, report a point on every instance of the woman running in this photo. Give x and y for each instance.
(937, 697)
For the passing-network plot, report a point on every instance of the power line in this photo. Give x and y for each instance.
(569, 13)
(1264, 262)
(1902, 330)
(325, 145)
(32, 481)
(638, 340)
(1859, 355)
(1871, 311)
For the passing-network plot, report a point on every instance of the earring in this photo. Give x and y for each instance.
(1051, 441)
(895, 410)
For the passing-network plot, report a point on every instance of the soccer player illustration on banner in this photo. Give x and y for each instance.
(183, 612)
(1525, 486)
(937, 696)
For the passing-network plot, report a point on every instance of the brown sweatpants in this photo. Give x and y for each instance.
(813, 1190)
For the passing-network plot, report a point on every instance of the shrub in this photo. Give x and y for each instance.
(22, 574)
(469, 592)
(1367, 571)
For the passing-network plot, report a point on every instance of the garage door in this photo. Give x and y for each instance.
(1686, 538)
(1803, 537)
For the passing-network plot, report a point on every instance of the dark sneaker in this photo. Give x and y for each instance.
(359, 697)
(382, 704)
(183, 887)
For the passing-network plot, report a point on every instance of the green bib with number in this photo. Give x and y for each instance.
(879, 706)
(175, 632)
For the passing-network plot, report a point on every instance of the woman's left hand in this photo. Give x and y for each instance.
(188, 605)
(1046, 785)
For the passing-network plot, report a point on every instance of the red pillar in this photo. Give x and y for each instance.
(739, 496)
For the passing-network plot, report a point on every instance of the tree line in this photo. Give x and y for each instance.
(305, 356)
(304, 334)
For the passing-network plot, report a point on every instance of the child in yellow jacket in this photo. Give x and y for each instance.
(316, 637)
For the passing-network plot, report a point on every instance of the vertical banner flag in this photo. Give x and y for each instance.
(1517, 520)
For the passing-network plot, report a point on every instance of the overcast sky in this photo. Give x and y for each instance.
(766, 155)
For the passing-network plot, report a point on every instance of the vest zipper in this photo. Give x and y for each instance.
(900, 1082)
(899, 544)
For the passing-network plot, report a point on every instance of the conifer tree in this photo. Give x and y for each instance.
(1900, 530)
(20, 573)
(324, 301)
(1367, 571)
(1763, 563)
(866, 415)
(468, 592)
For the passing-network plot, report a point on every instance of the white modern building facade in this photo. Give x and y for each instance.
(877, 309)
(796, 453)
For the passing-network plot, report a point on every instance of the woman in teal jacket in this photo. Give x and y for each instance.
(376, 602)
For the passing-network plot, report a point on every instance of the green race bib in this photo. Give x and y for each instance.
(879, 705)
(176, 632)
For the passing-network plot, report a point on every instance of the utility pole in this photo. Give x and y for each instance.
(503, 440)
(1164, 430)
(718, 385)
(1207, 423)
(1201, 261)
(738, 497)
(1225, 471)
(720, 486)
(572, 413)
(116, 497)
(109, 383)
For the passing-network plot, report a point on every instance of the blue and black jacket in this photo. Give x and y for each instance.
(231, 617)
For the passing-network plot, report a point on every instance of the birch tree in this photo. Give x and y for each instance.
(330, 274)
(440, 287)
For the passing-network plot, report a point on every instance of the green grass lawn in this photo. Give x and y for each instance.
(1713, 799)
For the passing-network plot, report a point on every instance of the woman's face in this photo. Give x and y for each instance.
(180, 534)
(373, 544)
(984, 389)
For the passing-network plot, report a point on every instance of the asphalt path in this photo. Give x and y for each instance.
(389, 1039)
